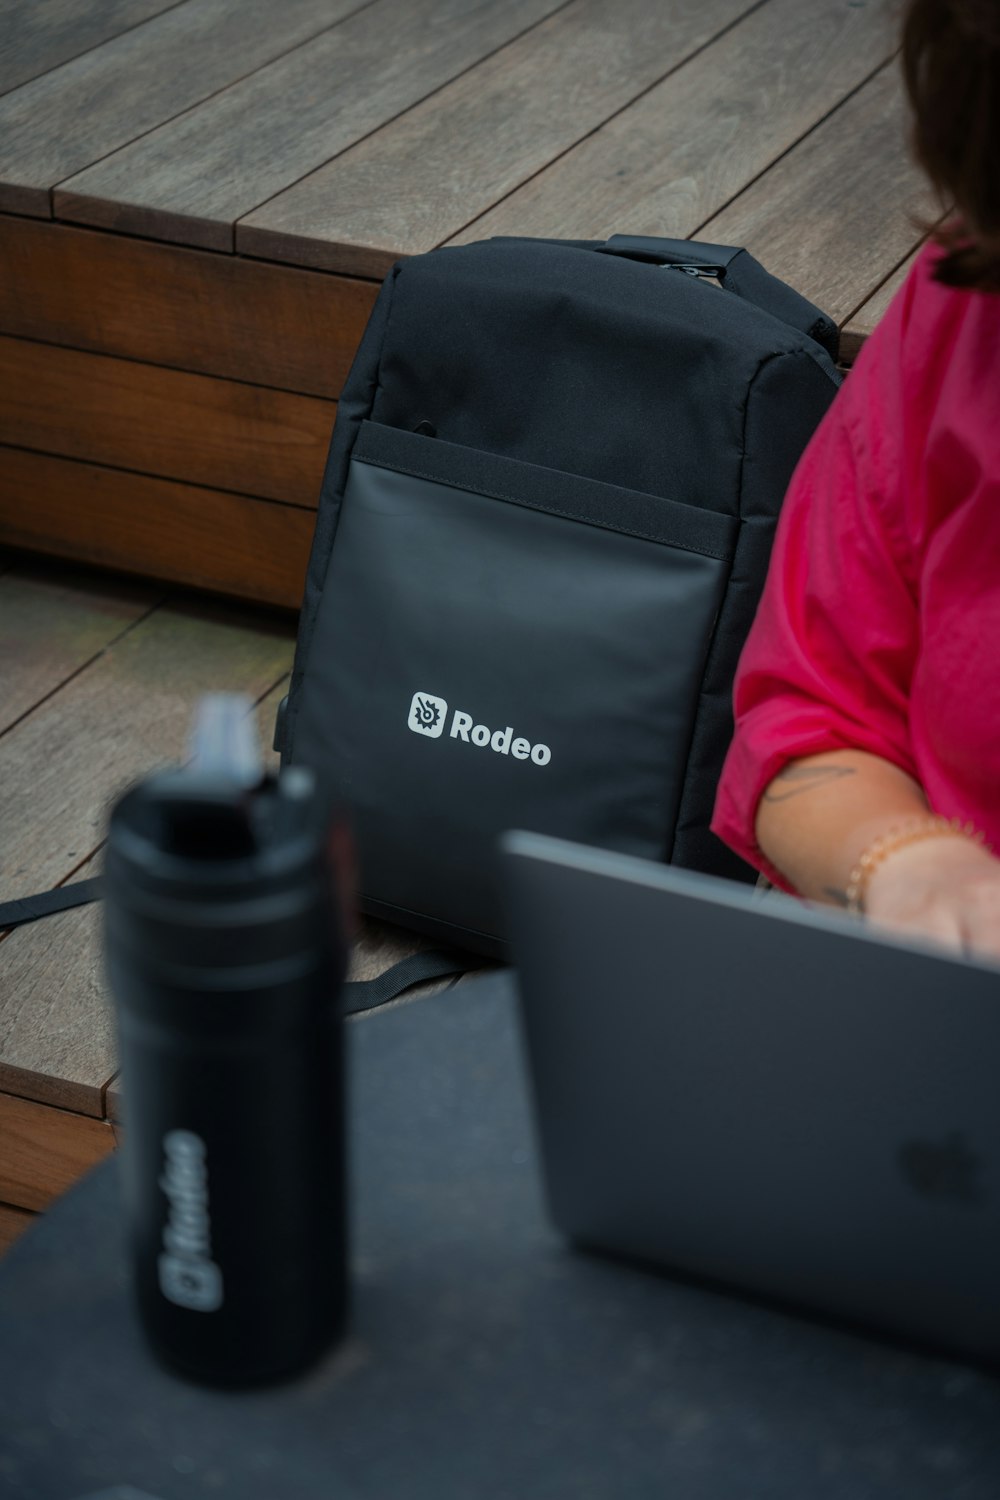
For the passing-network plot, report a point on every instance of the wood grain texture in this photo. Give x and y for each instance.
(125, 714)
(231, 544)
(219, 433)
(192, 179)
(52, 622)
(214, 314)
(677, 155)
(36, 35)
(43, 1151)
(835, 214)
(870, 313)
(418, 181)
(64, 121)
(13, 1223)
(57, 1036)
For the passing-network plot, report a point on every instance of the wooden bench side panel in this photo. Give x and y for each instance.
(183, 435)
(43, 1151)
(229, 544)
(218, 315)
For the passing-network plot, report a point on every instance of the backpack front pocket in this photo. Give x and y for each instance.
(503, 645)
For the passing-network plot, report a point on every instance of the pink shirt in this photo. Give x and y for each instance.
(879, 628)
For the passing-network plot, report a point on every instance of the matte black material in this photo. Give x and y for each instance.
(47, 903)
(738, 272)
(486, 1360)
(580, 642)
(817, 1107)
(651, 518)
(364, 994)
(225, 959)
(530, 428)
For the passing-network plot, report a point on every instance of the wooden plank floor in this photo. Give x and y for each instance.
(198, 199)
(100, 676)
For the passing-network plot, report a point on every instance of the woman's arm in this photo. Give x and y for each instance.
(820, 813)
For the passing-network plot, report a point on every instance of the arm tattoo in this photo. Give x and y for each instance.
(803, 779)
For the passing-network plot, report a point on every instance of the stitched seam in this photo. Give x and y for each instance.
(548, 510)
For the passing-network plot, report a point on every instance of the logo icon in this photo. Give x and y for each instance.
(427, 715)
(949, 1169)
(187, 1274)
(186, 1282)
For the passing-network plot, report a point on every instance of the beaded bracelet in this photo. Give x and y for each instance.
(930, 827)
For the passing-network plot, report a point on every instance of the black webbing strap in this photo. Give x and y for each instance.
(365, 994)
(359, 994)
(13, 913)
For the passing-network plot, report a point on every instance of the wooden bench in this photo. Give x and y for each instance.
(197, 201)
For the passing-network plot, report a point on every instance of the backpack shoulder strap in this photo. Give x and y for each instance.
(358, 994)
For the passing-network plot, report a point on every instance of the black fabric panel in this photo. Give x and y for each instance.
(739, 273)
(664, 252)
(352, 408)
(649, 517)
(784, 406)
(588, 364)
(747, 278)
(583, 642)
(434, 927)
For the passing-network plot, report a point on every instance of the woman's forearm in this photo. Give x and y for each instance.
(819, 814)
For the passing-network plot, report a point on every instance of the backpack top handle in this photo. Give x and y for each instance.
(738, 272)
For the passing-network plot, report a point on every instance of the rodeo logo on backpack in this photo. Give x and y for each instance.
(428, 714)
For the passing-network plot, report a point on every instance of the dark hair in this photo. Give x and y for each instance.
(951, 66)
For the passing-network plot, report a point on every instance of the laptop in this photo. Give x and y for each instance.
(762, 1094)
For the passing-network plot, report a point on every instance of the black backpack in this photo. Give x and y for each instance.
(543, 530)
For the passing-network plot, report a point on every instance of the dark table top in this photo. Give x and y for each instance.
(486, 1359)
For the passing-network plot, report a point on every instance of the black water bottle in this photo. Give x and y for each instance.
(225, 953)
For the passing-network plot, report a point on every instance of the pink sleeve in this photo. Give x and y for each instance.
(827, 665)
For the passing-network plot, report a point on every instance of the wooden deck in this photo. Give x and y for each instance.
(197, 201)
(100, 676)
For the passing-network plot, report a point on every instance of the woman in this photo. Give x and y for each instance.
(865, 768)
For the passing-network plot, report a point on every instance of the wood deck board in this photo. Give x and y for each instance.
(126, 713)
(52, 623)
(38, 35)
(190, 180)
(812, 219)
(417, 182)
(70, 117)
(57, 1041)
(653, 171)
(57, 1044)
(212, 314)
(231, 544)
(871, 312)
(201, 429)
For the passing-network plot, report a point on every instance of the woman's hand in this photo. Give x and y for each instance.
(946, 889)
(821, 812)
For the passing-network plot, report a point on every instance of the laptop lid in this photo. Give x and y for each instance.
(762, 1093)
